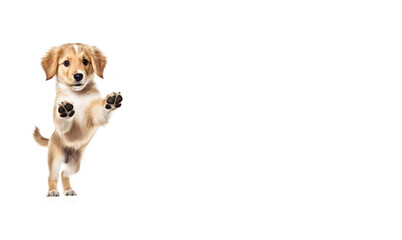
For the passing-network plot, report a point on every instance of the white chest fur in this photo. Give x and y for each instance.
(80, 103)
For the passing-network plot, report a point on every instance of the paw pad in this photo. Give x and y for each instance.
(66, 109)
(113, 101)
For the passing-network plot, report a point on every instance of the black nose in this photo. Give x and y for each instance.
(78, 77)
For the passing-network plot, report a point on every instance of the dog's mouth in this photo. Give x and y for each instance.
(77, 86)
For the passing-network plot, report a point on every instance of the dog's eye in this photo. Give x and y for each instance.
(66, 63)
(85, 62)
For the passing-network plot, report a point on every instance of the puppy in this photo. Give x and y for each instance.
(78, 111)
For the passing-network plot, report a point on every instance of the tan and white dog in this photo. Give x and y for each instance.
(78, 111)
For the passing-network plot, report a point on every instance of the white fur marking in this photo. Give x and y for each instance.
(66, 124)
(104, 114)
(76, 48)
(79, 71)
(80, 103)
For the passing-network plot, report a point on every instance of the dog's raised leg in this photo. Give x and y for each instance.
(100, 110)
(64, 120)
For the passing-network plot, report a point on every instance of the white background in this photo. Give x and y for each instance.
(240, 120)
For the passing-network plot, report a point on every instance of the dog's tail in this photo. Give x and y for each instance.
(39, 138)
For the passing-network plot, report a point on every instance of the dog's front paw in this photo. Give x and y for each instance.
(66, 110)
(53, 193)
(113, 101)
(70, 192)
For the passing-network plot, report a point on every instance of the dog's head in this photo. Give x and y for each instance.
(74, 64)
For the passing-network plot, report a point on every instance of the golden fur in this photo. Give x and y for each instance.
(78, 111)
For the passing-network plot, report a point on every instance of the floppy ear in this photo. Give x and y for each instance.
(98, 61)
(49, 62)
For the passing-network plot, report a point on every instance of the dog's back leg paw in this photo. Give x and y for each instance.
(53, 193)
(70, 192)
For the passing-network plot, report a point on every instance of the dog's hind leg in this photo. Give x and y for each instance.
(55, 157)
(73, 161)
